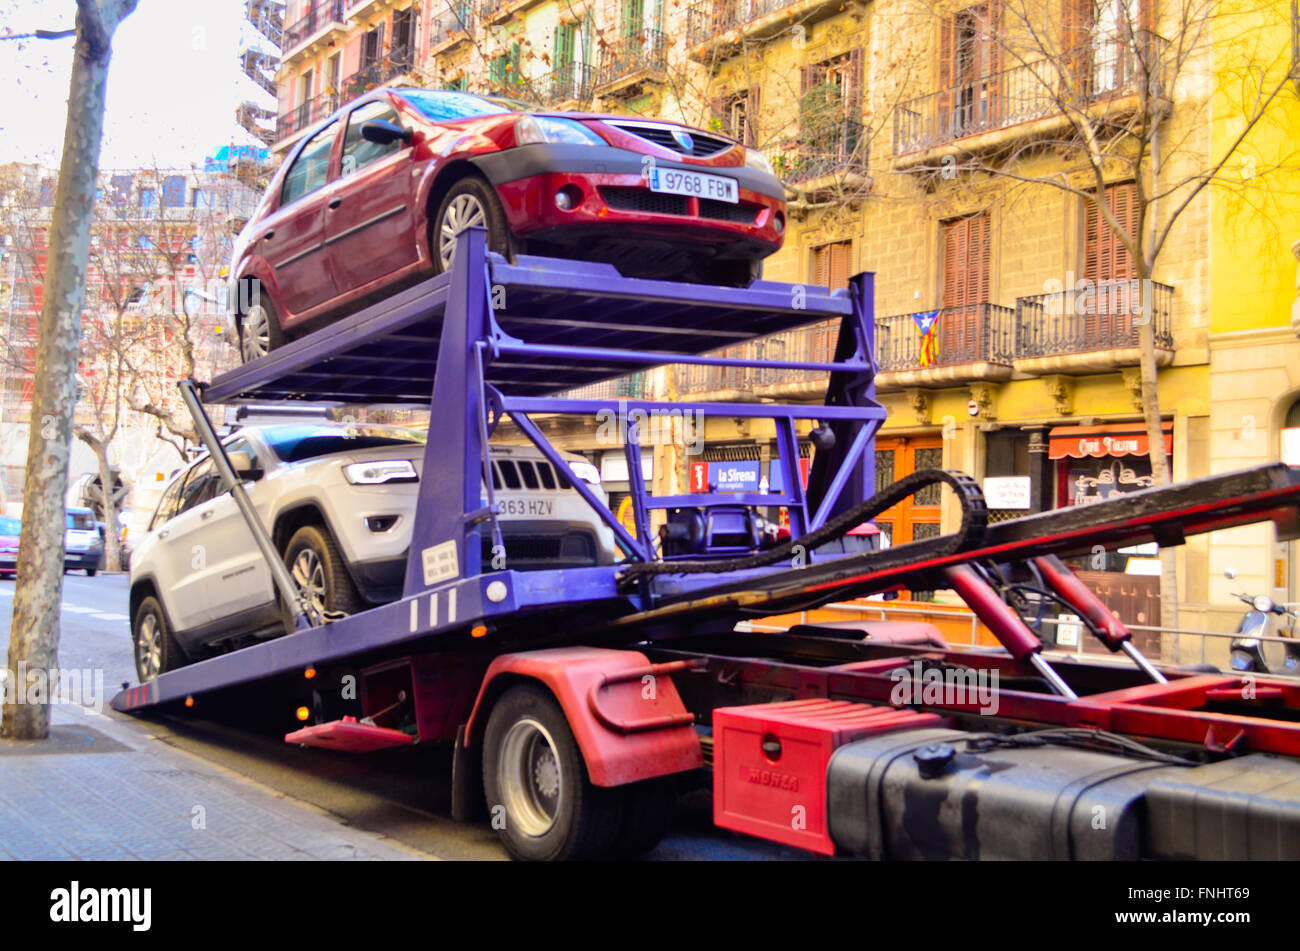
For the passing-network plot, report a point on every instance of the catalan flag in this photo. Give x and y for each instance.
(927, 323)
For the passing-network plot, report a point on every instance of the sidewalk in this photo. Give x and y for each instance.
(102, 788)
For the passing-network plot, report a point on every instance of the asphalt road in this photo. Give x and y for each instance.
(404, 794)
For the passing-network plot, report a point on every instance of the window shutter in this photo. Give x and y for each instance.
(993, 27)
(821, 266)
(853, 96)
(839, 265)
(965, 287)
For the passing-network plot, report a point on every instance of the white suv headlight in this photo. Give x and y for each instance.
(377, 473)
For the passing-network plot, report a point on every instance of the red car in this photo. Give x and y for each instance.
(375, 197)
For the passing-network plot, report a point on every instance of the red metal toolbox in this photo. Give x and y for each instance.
(769, 763)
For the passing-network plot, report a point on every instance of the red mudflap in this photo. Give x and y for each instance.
(350, 736)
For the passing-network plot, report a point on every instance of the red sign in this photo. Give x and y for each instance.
(1098, 442)
(699, 477)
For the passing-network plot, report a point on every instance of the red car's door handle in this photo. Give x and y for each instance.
(336, 202)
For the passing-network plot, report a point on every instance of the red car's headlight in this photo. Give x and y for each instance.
(530, 129)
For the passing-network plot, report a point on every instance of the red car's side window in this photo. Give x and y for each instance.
(357, 152)
(311, 169)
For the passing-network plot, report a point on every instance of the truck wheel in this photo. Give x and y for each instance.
(156, 651)
(537, 786)
(470, 203)
(90, 572)
(647, 814)
(317, 566)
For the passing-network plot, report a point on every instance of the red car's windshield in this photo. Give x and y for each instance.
(448, 106)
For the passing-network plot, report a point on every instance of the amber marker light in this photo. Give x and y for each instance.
(303, 713)
(478, 630)
(309, 673)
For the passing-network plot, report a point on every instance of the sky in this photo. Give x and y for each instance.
(173, 84)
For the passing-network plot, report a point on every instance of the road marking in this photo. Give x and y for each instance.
(111, 617)
(75, 609)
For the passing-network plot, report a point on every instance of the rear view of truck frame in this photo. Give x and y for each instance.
(578, 698)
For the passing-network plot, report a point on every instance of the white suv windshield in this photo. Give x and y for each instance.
(295, 443)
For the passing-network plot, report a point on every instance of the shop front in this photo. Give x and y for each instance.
(1101, 463)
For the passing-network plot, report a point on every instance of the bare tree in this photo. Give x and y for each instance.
(34, 632)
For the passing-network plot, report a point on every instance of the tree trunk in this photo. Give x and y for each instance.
(112, 531)
(34, 633)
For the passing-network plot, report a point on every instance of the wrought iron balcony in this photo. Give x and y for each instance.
(960, 336)
(572, 82)
(267, 18)
(710, 19)
(453, 16)
(812, 344)
(646, 51)
(397, 63)
(304, 115)
(1096, 316)
(256, 66)
(318, 16)
(1110, 67)
(823, 149)
(488, 9)
(634, 386)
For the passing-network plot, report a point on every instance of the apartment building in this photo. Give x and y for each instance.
(159, 241)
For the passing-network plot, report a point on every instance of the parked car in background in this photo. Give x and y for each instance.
(83, 542)
(375, 197)
(10, 529)
(339, 503)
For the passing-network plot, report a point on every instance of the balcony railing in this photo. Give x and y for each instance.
(452, 18)
(710, 19)
(267, 18)
(318, 16)
(832, 148)
(976, 333)
(1107, 68)
(304, 115)
(647, 50)
(625, 387)
(489, 8)
(1104, 315)
(814, 344)
(379, 72)
(571, 82)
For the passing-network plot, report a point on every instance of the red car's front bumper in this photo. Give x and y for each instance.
(621, 209)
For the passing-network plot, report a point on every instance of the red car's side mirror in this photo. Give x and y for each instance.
(382, 132)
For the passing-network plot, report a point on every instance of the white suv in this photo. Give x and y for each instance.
(338, 501)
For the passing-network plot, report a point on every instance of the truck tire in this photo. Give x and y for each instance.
(155, 650)
(90, 572)
(317, 566)
(647, 814)
(541, 801)
(470, 202)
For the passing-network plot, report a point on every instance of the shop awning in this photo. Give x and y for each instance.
(1116, 439)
